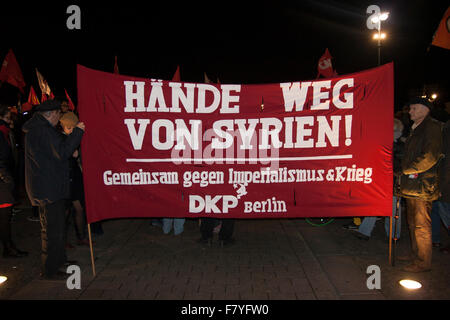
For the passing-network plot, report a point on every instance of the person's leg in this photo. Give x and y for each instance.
(226, 231)
(5, 229)
(206, 228)
(435, 223)
(167, 225)
(80, 222)
(444, 212)
(423, 233)
(410, 216)
(178, 225)
(52, 236)
(367, 225)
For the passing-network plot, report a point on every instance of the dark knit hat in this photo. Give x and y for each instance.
(421, 101)
(49, 105)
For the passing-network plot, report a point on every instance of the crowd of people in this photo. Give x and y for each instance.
(50, 167)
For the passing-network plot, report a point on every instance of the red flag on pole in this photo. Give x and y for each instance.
(442, 35)
(324, 66)
(10, 71)
(116, 66)
(176, 77)
(32, 97)
(45, 88)
(71, 105)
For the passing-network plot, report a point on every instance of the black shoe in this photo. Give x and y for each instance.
(14, 253)
(360, 236)
(350, 226)
(226, 243)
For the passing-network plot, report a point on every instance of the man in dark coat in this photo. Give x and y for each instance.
(47, 154)
(6, 186)
(419, 181)
(441, 207)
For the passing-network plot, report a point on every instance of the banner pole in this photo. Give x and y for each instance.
(390, 240)
(397, 209)
(92, 250)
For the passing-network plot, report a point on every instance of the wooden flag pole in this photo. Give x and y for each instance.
(390, 240)
(92, 250)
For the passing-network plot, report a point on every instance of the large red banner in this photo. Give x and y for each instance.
(156, 148)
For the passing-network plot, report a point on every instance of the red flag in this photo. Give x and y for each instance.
(176, 77)
(11, 72)
(324, 66)
(52, 96)
(32, 97)
(44, 97)
(27, 106)
(71, 105)
(116, 66)
(442, 35)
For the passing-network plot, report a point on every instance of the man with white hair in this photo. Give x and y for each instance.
(47, 154)
(419, 181)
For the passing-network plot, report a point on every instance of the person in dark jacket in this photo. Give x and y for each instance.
(6, 186)
(47, 154)
(419, 181)
(441, 207)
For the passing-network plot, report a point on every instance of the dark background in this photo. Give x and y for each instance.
(235, 41)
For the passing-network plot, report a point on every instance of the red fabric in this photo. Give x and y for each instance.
(345, 172)
(176, 76)
(32, 97)
(325, 67)
(6, 205)
(71, 105)
(27, 107)
(442, 35)
(10, 71)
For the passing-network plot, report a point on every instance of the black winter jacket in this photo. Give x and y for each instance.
(47, 154)
(6, 166)
(423, 150)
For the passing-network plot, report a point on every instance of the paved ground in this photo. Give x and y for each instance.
(271, 260)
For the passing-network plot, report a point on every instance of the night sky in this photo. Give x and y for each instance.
(235, 41)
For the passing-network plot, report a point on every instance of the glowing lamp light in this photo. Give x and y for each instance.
(377, 36)
(434, 96)
(3, 279)
(410, 284)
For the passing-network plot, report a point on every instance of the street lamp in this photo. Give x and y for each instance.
(374, 22)
(380, 36)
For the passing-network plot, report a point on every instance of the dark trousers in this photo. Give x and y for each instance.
(53, 254)
(419, 220)
(208, 224)
(5, 227)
